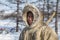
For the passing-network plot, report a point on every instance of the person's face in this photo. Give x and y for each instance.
(30, 18)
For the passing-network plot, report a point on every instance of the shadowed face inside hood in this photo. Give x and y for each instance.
(32, 16)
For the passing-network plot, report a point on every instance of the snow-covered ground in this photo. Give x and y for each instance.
(10, 36)
(9, 32)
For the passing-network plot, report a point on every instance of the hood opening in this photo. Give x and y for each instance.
(30, 18)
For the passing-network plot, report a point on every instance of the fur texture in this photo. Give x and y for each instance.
(38, 30)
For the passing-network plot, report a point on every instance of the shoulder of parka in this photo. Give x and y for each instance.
(47, 33)
(50, 34)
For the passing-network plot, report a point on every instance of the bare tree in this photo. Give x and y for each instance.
(17, 16)
(56, 25)
(48, 8)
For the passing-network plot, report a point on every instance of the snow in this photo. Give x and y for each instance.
(10, 36)
(7, 34)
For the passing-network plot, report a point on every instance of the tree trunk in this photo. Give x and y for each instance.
(56, 26)
(17, 16)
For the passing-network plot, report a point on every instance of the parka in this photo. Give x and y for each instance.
(38, 29)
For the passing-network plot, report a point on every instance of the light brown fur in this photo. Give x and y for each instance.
(38, 30)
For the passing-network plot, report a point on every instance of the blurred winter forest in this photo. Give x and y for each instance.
(11, 13)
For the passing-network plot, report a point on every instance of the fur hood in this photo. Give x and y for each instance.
(38, 17)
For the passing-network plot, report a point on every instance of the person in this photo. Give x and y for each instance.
(35, 28)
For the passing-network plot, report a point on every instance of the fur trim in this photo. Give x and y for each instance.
(38, 17)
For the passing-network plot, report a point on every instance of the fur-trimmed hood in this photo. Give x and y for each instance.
(38, 17)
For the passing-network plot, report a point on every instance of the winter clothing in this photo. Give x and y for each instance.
(38, 30)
